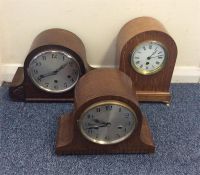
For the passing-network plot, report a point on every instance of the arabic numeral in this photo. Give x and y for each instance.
(38, 63)
(54, 56)
(44, 58)
(107, 138)
(98, 109)
(108, 108)
(75, 72)
(71, 63)
(35, 71)
(65, 84)
(46, 84)
(72, 80)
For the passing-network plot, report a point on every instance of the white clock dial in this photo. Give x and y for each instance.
(54, 71)
(148, 57)
(108, 122)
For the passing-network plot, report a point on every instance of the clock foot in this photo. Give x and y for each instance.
(167, 104)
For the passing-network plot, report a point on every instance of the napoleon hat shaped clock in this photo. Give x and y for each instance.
(107, 117)
(51, 69)
(147, 53)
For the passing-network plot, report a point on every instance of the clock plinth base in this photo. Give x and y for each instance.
(16, 90)
(149, 96)
(69, 141)
(19, 92)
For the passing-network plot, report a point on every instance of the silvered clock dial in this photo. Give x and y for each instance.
(106, 119)
(54, 71)
(107, 122)
(55, 62)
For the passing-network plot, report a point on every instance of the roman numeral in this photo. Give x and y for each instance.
(160, 56)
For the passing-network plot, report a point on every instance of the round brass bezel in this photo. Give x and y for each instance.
(107, 102)
(44, 88)
(150, 72)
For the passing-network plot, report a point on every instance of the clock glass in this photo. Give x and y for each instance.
(107, 122)
(148, 57)
(54, 71)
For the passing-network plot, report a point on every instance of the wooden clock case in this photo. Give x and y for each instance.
(153, 87)
(101, 85)
(23, 89)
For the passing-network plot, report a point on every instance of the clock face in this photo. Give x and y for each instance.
(148, 57)
(107, 122)
(54, 71)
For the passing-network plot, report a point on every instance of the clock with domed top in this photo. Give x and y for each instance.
(107, 118)
(147, 53)
(52, 68)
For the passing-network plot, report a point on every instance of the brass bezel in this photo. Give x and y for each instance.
(101, 103)
(47, 89)
(145, 72)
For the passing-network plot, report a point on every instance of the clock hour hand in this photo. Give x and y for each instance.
(47, 74)
(99, 121)
(99, 126)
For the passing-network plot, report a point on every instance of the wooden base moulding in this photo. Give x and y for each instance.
(69, 142)
(145, 96)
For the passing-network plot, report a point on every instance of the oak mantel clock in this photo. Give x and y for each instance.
(53, 66)
(106, 119)
(147, 53)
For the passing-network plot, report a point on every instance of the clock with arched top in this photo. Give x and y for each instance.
(55, 62)
(147, 53)
(106, 119)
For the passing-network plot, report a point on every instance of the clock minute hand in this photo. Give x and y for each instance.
(99, 121)
(153, 53)
(61, 67)
(53, 72)
(156, 56)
